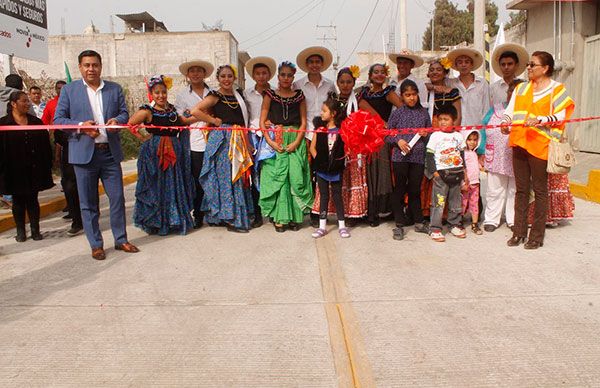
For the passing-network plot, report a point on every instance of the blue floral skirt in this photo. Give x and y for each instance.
(224, 201)
(164, 198)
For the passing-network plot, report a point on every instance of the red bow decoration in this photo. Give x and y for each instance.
(363, 133)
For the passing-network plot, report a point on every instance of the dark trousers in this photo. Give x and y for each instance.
(530, 173)
(407, 177)
(336, 193)
(255, 196)
(26, 203)
(197, 161)
(102, 167)
(68, 181)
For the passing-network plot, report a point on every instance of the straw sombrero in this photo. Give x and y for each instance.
(417, 60)
(475, 56)
(207, 66)
(521, 52)
(314, 50)
(269, 62)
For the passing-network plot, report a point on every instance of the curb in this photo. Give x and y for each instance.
(589, 192)
(56, 204)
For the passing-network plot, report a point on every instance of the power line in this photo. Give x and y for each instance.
(286, 27)
(339, 10)
(376, 34)
(279, 22)
(422, 6)
(362, 33)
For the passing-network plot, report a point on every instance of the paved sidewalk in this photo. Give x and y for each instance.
(219, 309)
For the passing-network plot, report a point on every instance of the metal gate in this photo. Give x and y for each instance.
(589, 132)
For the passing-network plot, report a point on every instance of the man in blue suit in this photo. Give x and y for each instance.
(96, 153)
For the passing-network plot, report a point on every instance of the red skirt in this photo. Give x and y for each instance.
(561, 205)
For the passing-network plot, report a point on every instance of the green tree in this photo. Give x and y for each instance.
(516, 18)
(453, 26)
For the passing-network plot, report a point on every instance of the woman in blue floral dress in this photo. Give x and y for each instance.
(165, 188)
(225, 175)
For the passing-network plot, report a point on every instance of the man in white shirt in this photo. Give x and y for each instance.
(406, 61)
(508, 61)
(313, 61)
(195, 72)
(262, 70)
(474, 90)
(35, 96)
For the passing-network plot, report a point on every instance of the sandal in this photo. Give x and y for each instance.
(475, 229)
(344, 233)
(319, 233)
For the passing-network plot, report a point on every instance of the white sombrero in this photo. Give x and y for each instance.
(417, 60)
(207, 66)
(475, 56)
(267, 61)
(521, 52)
(314, 50)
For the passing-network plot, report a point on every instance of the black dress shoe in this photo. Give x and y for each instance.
(198, 223)
(257, 223)
(21, 237)
(294, 226)
(533, 244)
(489, 228)
(374, 223)
(279, 228)
(233, 229)
(67, 216)
(74, 231)
(515, 240)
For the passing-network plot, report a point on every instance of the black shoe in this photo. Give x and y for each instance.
(314, 222)
(398, 233)
(66, 209)
(257, 223)
(421, 228)
(21, 236)
(198, 223)
(374, 223)
(489, 228)
(294, 227)
(280, 228)
(67, 216)
(74, 231)
(36, 236)
(351, 222)
(233, 229)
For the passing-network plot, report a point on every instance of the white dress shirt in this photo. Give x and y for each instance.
(315, 97)
(475, 100)
(95, 97)
(254, 99)
(187, 99)
(498, 92)
(423, 93)
(39, 109)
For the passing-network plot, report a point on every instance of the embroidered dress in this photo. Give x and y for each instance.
(225, 200)
(165, 188)
(285, 185)
(560, 200)
(354, 183)
(379, 174)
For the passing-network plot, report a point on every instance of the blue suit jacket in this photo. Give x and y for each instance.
(74, 107)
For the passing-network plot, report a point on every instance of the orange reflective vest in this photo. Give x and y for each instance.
(533, 139)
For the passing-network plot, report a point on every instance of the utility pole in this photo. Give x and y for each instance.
(403, 18)
(330, 35)
(478, 33)
(433, 30)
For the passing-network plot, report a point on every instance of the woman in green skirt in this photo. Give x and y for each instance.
(285, 187)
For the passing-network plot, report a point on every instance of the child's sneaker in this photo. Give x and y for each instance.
(458, 231)
(436, 235)
(344, 233)
(421, 228)
(319, 233)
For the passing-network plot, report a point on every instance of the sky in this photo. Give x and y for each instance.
(279, 29)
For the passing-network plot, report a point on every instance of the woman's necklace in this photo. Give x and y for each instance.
(231, 104)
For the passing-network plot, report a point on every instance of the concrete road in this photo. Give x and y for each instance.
(219, 309)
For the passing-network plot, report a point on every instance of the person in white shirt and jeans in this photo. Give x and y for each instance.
(195, 72)
(262, 70)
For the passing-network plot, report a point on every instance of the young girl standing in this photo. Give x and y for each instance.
(408, 159)
(327, 150)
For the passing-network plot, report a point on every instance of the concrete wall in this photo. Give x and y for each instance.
(134, 54)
